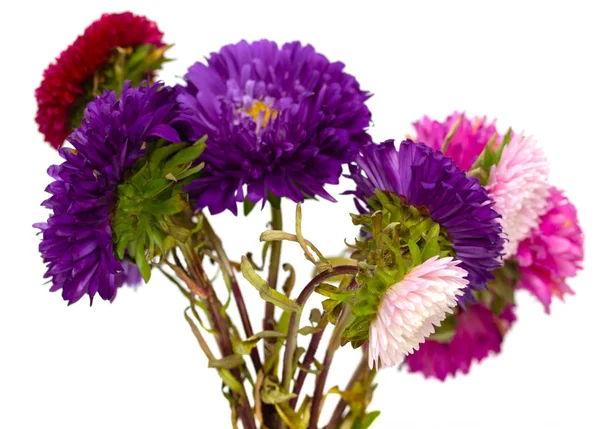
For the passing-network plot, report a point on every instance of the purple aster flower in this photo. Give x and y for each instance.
(432, 182)
(279, 121)
(77, 240)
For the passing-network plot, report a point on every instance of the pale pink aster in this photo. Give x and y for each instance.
(519, 186)
(553, 252)
(411, 308)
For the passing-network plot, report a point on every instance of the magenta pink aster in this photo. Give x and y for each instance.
(64, 80)
(478, 333)
(519, 186)
(471, 137)
(553, 252)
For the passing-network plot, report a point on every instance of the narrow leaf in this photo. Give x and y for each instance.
(228, 362)
(266, 292)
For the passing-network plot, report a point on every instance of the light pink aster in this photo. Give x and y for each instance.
(468, 142)
(519, 185)
(553, 252)
(412, 307)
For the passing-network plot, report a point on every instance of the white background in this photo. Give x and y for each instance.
(135, 364)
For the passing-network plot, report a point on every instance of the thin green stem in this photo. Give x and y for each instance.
(292, 337)
(338, 412)
(220, 324)
(334, 343)
(274, 260)
(227, 268)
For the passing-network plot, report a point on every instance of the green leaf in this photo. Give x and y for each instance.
(289, 416)
(187, 155)
(415, 253)
(369, 419)
(289, 283)
(431, 249)
(231, 382)
(333, 292)
(141, 262)
(246, 346)
(228, 362)
(315, 316)
(266, 292)
(271, 393)
(309, 330)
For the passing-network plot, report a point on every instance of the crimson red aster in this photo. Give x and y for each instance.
(64, 80)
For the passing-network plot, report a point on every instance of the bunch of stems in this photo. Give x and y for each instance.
(240, 384)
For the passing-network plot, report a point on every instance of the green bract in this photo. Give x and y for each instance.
(125, 64)
(489, 157)
(150, 196)
(398, 237)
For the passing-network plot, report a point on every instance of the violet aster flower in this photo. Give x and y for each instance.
(432, 182)
(77, 240)
(553, 252)
(468, 142)
(478, 334)
(280, 121)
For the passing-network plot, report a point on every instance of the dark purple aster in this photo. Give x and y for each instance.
(77, 239)
(426, 178)
(279, 120)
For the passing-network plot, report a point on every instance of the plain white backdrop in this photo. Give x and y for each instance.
(135, 364)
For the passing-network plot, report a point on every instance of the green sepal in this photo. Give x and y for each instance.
(248, 206)
(149, 197)
(489, 157)
(399, 236)
(134, 64)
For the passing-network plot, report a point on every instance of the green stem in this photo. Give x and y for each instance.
(235, 288)
(334, 343)
(220, 324)
(274, 260)
(361, 371)
(292, 337)
(271, 417)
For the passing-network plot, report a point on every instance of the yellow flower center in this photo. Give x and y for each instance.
(261, 110)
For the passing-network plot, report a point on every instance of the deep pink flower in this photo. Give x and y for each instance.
(478, 333)
(468, 142)
(553, 253)
(64, 79)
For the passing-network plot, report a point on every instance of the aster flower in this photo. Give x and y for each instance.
(553, 252)
(90, 65)
(412, 307)
(434, 184)
(78, 238)
(466, 145)
(280, 122)
(519, 186)
(478, 333)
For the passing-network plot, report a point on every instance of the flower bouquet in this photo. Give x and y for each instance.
(449, 223)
